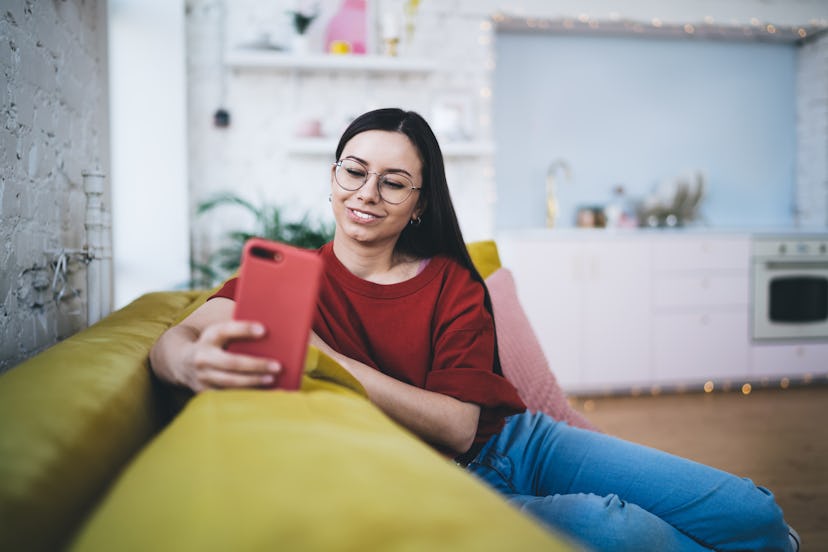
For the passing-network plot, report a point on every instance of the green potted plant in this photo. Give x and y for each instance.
(269, 223)
(301, 21)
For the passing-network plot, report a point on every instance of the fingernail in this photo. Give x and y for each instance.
(274, 366)
(258, 329)
(267, 379)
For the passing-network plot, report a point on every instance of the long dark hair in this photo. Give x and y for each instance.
(438, 233)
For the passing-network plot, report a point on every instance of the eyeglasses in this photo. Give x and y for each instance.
(393, 187)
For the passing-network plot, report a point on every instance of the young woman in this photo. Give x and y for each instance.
(403, 309)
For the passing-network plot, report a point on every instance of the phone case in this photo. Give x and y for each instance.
(278, 286)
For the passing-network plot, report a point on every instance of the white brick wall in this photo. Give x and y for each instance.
(54, 126)
(251, 157)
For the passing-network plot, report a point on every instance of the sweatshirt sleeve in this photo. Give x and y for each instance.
(463, 364)
(228, 290)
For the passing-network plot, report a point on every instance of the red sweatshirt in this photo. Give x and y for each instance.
(431, 331)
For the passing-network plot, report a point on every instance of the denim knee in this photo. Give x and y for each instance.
(762, 519)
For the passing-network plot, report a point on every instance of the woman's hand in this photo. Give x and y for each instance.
(207, 365)
(193, 353)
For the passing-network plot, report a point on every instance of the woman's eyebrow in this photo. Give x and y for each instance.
(364, 162)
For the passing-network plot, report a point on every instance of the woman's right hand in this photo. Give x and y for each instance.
(208, 365)
(193, 352)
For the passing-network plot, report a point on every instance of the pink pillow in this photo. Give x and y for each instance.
(521, 356)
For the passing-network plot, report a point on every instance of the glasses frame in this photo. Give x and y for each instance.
(368, 174)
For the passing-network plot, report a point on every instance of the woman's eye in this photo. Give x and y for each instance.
(356, 173)
(391, 184)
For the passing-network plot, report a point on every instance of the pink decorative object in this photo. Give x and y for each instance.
(522, 358)
(348, 25)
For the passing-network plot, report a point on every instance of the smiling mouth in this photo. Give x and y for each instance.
(367, 217)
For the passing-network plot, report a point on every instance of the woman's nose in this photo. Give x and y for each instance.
(370, 190)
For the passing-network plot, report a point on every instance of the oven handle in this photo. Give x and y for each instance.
(797, 265)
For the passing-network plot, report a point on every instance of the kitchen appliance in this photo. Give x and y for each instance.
(790, 287)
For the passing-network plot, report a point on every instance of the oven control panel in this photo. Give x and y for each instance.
(789, 247)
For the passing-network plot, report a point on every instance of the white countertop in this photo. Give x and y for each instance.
(657, 233)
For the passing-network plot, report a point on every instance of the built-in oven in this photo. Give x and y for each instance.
(790, 287)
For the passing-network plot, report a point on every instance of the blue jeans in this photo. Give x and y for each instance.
(610, 494)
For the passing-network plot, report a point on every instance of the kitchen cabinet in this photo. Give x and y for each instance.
(616, 311)
(698, 345)
(775, 360)
(700, 308)
(588, 301)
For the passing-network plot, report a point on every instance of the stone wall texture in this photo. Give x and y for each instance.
(54, 126)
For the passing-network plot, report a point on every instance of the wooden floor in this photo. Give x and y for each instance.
(776, 437)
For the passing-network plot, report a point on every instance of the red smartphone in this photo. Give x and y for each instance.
(278, 286)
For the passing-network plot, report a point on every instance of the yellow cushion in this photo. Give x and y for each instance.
(72, 416)
(319, 469)
(484, 256)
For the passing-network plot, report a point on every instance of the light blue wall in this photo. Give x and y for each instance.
(638, 111)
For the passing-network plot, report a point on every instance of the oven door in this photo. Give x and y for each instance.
(790, 299)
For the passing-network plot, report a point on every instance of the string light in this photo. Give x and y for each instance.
(708, 388)
(754, 28)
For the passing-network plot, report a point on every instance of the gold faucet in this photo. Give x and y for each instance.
(551, 189)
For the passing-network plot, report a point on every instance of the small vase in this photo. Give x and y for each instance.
(299, 44)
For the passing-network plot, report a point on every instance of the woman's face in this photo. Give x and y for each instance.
(362, 215)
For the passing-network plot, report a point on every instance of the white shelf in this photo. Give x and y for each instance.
(325, 146)
(251, 58)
